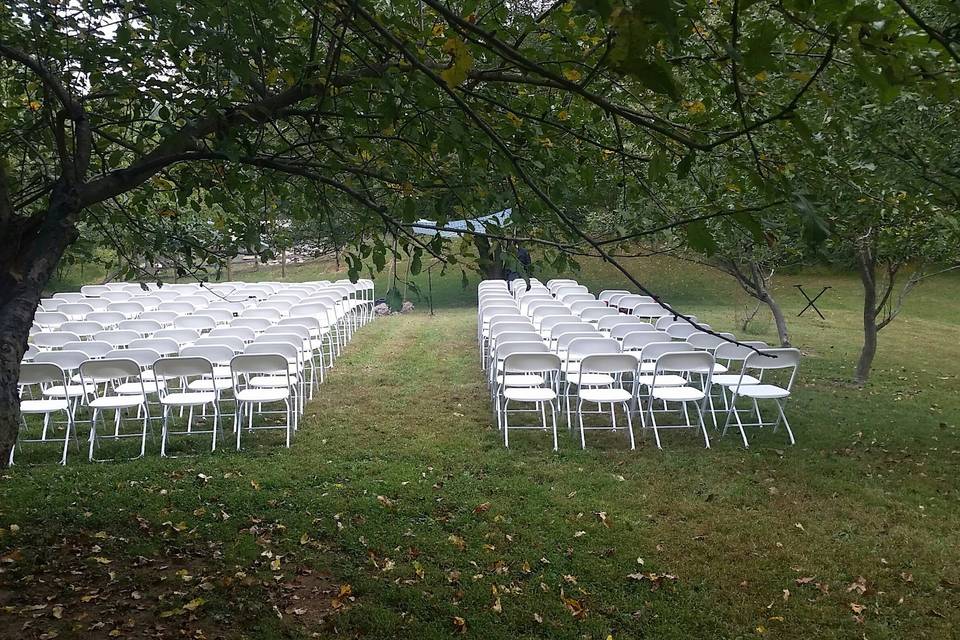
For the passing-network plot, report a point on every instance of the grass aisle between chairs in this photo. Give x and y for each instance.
(398, 513)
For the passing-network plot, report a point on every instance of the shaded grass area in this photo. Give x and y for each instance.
(398, 486)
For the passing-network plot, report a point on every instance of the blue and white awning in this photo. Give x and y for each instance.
(448, 230)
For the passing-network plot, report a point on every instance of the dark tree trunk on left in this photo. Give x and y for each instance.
(32, 247)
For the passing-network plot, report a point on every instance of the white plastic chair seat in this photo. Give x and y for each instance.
(149, 386)
(57, 391)
(222, 371)
(763, 391)
(529, 394)
(43, 406)
(206, 384)
(269, 381)
(731, 379)
(590, 379)
(118, 402)
(274, 394)
(187, 399)
(719, 368)
(605, 395)
(520, 380)
(663, 380)
(676, 394)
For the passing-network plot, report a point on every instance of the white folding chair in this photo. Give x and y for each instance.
(144, 328)
(44, 375)
(183, 371)
(200, 323)
(684, 364)
(75, 311)
(272, 371)
(538, 375)
(101, 376)
(600, 381)
(766, 360)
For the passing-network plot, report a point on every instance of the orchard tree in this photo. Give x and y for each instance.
(401, 109)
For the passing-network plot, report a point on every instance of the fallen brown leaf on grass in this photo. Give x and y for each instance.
(576, 607)
(656, 579)
(481, 508)
(457, 541)
(459, 625)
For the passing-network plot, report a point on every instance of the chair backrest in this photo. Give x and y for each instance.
(143, 327)
(163, 346)
(197, 301)
(30, 353)
(542, 308)
(259, 363)
(569, 298)
(82, 328)
(593, 315)
(66, 360)
(505, 350)
(779, 358)
(117, 337)
(69, 296)
(93, 348)
(685, 361)
(665, 321)
(129, 308)
(182, 336)
(705, 341)
(637, 340)
(143, 357)
(531, 362)
(285, 349)
(237, 345)
(165, 318)
(510, 324)
(199, 322)
(263, 313)
(579, 348)
(177, 307)
(515, 336)
(49, 319)
(53, 339)
(567, 289)
(220, 316)
(289, 329)
(606, 294)
(98, 304)
(257, 325)
(149, 303)
(183, 367)
(547, 323)
(41, 373)
(622, 325)
(611, 363)
(629, 302)
(106, 318)
(243, 333)
(653, 350)
(75, 310)
(649, 310)
(116, 296)
(578, 307)
(681, 330)
(569, 325)
(217, 354)
(108, 369)
(94, 290)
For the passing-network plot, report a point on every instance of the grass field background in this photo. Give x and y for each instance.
(398, 513)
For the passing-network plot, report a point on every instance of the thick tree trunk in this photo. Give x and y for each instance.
(867, 267)
(32, 248)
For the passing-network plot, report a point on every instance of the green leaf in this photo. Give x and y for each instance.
(659, 167)
(700, 239)
(415, 262)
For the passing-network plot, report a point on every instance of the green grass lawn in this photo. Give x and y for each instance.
(399, 514)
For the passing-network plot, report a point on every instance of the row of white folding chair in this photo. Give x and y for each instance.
(135, 390)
